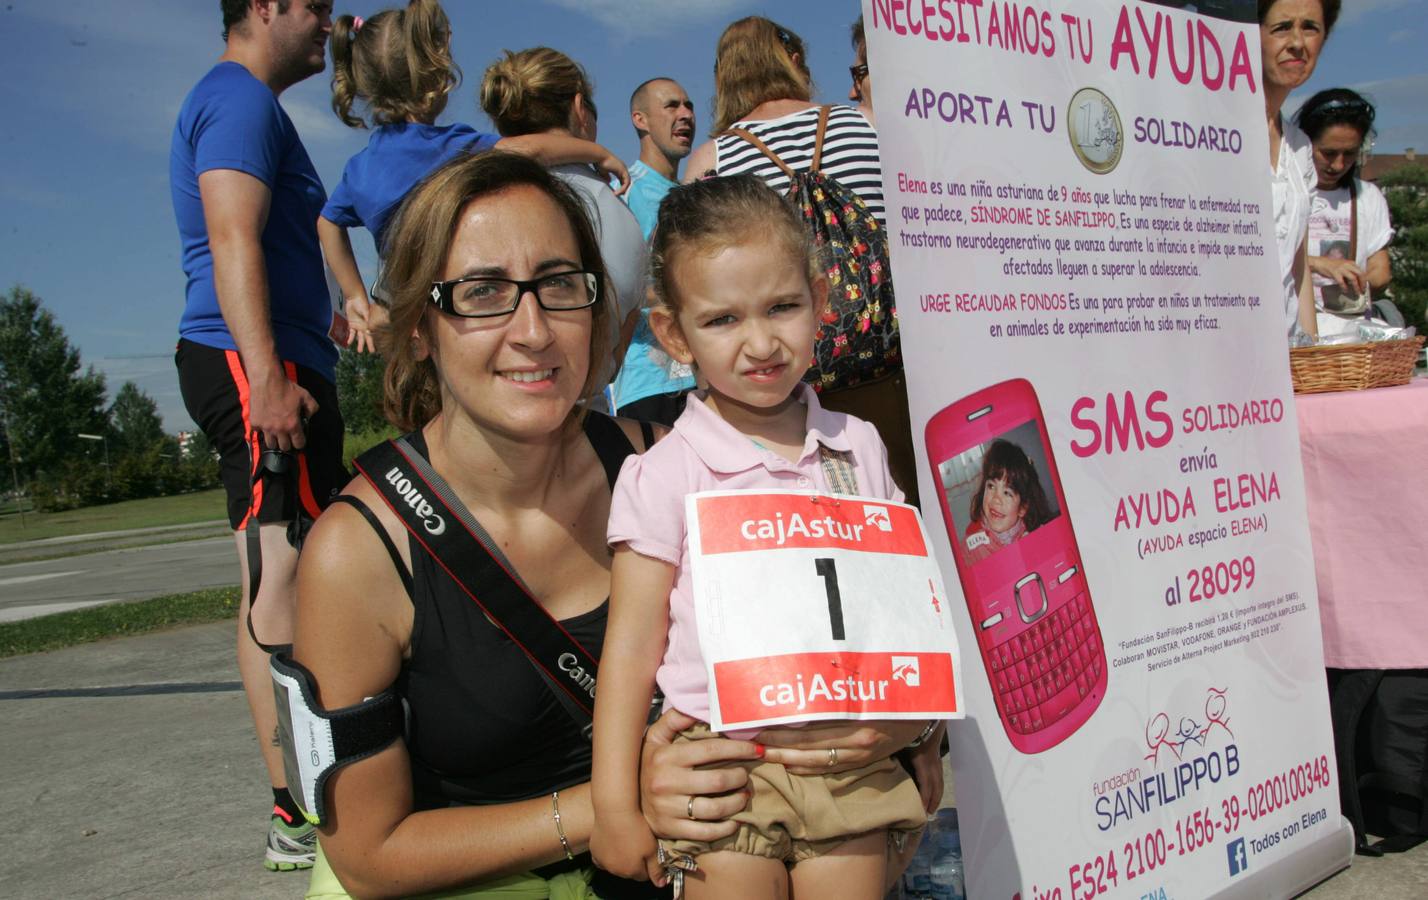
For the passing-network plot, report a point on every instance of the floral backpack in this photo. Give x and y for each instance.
(858, 340)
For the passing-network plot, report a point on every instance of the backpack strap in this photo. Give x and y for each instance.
(818, 141)
(764, 149)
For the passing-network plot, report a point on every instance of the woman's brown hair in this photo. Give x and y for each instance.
(418, 244)
(397, 63)
(757, 61)
(532, 91)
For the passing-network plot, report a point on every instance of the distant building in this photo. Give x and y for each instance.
(1380, 164)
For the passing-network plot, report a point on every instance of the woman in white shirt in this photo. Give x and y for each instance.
(1292, 32)
(1349, 228)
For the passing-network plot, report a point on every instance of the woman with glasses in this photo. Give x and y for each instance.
(1349, 228)
(498, 309)
(541, 91)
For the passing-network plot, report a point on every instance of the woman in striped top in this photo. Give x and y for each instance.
(762, 84)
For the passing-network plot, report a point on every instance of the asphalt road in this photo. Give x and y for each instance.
(32, 589)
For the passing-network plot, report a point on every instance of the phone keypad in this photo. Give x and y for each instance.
(1042, 673)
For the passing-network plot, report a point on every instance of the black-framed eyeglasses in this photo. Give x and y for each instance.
(481, 297)
(858, 71)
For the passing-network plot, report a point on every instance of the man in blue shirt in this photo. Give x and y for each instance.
(256, 360)
(651, 385)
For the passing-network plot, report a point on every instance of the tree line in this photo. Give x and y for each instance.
(64, 446)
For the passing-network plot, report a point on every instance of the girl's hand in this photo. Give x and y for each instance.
(359, 324)
(626, 847)
(671, 774)
(805, 751)
(1344, 271)
(611, 167)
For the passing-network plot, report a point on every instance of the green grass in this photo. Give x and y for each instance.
(181, 509)
(81, 626)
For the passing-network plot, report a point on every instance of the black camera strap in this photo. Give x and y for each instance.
(442, 525)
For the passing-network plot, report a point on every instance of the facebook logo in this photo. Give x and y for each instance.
(1238, 860)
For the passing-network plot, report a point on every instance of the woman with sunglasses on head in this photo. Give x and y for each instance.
(1291, 34)
(1349, 228)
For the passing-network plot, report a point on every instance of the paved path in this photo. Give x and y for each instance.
(131, 770)
(37, 588)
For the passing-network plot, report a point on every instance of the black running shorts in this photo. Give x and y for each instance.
(215, 392)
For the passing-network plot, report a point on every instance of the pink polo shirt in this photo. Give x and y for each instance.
(705, 453)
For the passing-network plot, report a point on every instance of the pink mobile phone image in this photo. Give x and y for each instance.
(1018, 563)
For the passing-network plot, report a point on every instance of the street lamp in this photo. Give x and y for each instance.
(108, 484)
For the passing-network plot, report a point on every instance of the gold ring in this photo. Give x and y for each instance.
(832, 757)
(689, 808)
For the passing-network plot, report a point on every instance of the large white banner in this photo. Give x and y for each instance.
(1079, 209)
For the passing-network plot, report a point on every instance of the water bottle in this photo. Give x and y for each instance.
(917, 879)
(945, 871)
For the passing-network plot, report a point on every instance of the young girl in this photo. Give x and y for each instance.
(398, 63)
(1008, 503)
(739, 298)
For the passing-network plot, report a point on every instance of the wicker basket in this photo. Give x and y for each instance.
(1353, 367)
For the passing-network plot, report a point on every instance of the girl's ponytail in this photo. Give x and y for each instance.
(431, 71)
(397, 62)
(344, 86)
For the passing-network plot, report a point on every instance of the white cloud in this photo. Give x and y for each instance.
(1401, 35)
(643, 18)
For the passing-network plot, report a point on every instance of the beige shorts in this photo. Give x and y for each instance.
(797, 817)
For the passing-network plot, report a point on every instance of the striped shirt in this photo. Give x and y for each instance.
(850, 152)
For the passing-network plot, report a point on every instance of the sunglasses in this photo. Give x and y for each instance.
(859, 72)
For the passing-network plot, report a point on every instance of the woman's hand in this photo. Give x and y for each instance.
(625, 846)
(677, 779)
(611, 167)
(1346, 272)
(838, 747)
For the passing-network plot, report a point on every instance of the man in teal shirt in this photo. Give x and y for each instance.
(651, 386)
(663, 117)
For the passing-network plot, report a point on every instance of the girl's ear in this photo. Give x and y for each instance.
(421, 347)
(666, 328)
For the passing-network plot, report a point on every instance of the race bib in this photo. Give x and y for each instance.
(814, 607)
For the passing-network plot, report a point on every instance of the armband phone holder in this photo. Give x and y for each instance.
(317, 742)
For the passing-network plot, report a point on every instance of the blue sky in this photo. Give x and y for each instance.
(91, 89)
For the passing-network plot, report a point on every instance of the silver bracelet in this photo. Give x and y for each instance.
(922, 738)
(559, 829)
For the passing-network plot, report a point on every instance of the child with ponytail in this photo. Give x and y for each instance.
(398, 65)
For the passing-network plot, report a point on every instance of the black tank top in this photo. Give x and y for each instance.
(483, 727)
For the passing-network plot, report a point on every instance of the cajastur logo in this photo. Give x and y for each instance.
(906, 670)
(877, 517)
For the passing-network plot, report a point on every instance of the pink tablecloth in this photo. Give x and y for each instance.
(1366, 477)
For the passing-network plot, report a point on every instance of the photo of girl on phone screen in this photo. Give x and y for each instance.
(1009, 501)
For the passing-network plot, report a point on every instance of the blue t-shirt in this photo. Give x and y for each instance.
(647, 370)
(647, 189)
(375, 181)
(231, 120)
